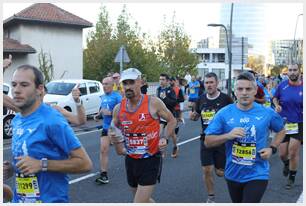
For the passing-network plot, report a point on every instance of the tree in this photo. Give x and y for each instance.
(174, 50)
(100, 52)
(257, 63)
(46, 66)
(139, 48)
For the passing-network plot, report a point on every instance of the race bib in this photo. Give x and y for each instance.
(292, 128)
(244, 153)
(27, 188)
(137, 143)
(267, 104)
(192, 91)
(207, 116)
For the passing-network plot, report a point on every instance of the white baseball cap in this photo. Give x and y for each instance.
(130, 73)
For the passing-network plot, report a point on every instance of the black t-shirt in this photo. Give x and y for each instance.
(207, 108)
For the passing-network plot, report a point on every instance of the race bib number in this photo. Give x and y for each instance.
(267, 104)
(192, 91)
(244, 153)
(292, 128)
(137, 143)
(207, 116)
(27, 188)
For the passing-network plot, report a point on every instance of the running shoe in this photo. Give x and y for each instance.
(210, 199)
(103, 179)
(174, 152)
(286, 170)
(289, 184)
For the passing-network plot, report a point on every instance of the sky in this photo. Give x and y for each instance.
(194, 16)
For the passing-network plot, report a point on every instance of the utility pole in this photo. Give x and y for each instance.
(230, 54)
(242, 45)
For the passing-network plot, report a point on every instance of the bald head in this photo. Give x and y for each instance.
(108, 84)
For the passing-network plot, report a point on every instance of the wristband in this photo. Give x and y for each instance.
(274, 149)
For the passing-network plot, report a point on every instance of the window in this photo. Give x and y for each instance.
(220, 73)
(83, 89)
(93, 87)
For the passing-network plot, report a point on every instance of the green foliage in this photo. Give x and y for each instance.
(46, 66)
(173, 48)
(150, 58)
(256, 63)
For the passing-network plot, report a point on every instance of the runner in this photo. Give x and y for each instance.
(206, 107)
(177, 109)
(244, 128)
(108, 101)
(288, 101)
(44, 147)
(138, 119)
(168, 96)
(193, 91)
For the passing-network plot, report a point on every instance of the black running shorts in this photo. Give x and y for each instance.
(144, 171)
(104, 132)
(298, 136)
(212, 156)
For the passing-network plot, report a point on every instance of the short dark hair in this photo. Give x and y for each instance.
(38, 76)
(164, 75)
(246, 76)
(211, 74)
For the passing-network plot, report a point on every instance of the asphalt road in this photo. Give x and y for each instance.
(181, 180)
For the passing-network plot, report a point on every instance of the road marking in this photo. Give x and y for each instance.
(82, 133)
(188, 140)
(300, 200)
(96, 173)
(83, 178)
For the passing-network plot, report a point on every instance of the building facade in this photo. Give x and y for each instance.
(44, 27)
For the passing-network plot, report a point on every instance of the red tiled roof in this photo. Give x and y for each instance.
(48, 13)
(14, 46)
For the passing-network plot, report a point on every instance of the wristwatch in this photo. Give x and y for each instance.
(274, 149)
(44, 164)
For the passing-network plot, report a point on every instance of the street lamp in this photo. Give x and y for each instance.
(229, 90)
(294, 44)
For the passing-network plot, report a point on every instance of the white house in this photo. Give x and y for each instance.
(50, 28)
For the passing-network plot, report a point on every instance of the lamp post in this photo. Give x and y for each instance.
(229, 90)
(229, 50)
(294, 43)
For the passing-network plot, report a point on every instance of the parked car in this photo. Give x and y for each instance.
(8, 115)
(59, 93)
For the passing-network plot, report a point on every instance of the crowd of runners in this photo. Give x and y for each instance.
(235, 132)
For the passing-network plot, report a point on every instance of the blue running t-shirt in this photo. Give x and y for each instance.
(194, 88)
(290, 98)
(243, 162)
(43, 134)
(109, 101)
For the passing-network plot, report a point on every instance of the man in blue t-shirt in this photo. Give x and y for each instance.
(193, 91)
(108, 101)
(288, 101)
(44, 147)
(244, 128)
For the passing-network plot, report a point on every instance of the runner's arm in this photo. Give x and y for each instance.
(216, 140)
(114, 134)
(78, 162)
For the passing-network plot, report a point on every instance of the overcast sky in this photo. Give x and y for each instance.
(195, 16)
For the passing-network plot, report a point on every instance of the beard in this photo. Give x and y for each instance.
(129, 94)
(294, 78)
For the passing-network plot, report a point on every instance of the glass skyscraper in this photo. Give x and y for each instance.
(248, 21)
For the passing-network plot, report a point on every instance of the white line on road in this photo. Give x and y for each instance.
(188, 140)
(96, 173)
(83, 178)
